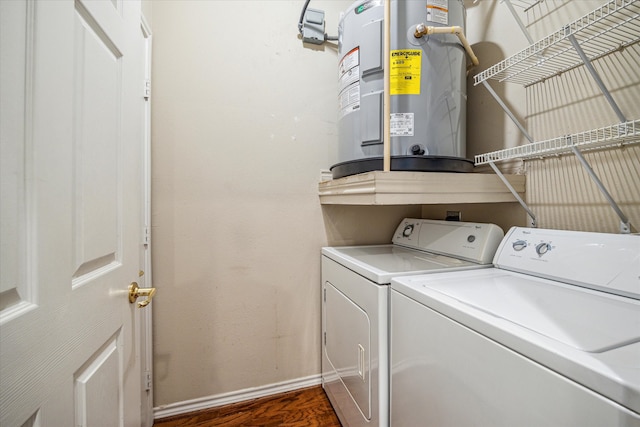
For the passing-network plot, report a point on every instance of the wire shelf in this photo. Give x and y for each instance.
(609, 28)
(609, 136)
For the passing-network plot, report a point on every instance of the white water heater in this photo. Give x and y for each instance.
(427, 87)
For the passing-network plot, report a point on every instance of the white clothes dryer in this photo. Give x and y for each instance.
(550, 336)
(355, 312)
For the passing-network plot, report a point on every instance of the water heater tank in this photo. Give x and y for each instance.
(427, 86)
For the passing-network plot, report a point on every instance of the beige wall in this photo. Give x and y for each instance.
(494, 35)
(244, 118)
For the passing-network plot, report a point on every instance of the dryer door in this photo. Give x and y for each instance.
(347, 346)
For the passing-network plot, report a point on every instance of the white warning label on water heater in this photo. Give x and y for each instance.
(401, 124)
(349, 100)
(349, 83)
(438, 11)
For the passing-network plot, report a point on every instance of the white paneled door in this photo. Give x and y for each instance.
(71, 112)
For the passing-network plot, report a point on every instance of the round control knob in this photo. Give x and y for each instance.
(407, 230)
(519, 245)
(542, 248)
(471, 238)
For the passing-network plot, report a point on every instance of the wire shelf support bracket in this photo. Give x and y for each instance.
(617, 135)
(625, 226)
(596, 77)
(507, 111)
(524, 205)
(518, 20)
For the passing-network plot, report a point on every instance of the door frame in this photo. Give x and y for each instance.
(146, 324)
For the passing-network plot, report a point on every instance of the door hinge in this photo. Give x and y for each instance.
(147, 380)
(147, 88)
(361, 361)
(146, 237)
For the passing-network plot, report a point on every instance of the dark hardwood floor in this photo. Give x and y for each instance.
(305, 407)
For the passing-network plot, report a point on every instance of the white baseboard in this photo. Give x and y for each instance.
(187, 406)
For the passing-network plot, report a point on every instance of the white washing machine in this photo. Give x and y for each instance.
(355, 312)
(550, 336)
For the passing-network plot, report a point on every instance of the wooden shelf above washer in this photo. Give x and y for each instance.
(418, 188)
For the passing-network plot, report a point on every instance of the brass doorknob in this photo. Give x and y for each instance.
(135, 291)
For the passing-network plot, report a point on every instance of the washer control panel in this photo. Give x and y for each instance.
(604, 261)
(476, 242)
(541, 248)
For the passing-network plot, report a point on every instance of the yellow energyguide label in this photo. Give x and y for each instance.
(404, 71)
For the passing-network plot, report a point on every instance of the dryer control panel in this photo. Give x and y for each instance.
(608, 262)
(476, 242)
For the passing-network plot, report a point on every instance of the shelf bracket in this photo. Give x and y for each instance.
(515, 193)
(595, 76)
(625, 226)
(508, 111)
(518, 20)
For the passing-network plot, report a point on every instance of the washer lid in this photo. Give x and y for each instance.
(581, 318)
(589, 336)
(379, 263)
